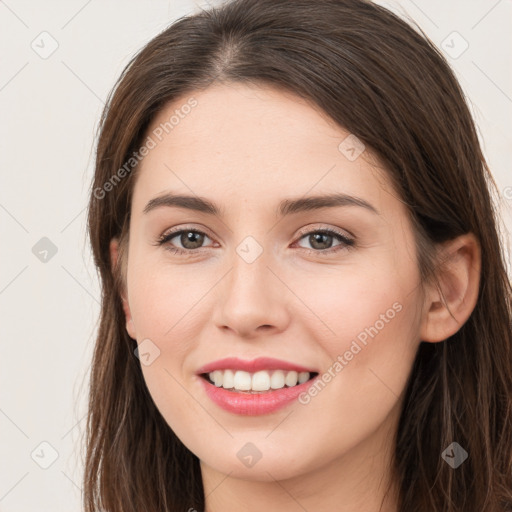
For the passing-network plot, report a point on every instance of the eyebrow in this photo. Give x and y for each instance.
(286, 207)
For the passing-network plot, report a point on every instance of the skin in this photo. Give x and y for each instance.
(246, 148)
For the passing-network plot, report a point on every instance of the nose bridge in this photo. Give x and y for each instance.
(250, 275)
(248, 297)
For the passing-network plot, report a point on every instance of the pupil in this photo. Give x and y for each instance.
(191, 236)
(314, 240)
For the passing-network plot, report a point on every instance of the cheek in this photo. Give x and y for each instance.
(165, 299)
(163, 304)
(372, 339)
(363, 305)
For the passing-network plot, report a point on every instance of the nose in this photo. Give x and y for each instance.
(251, 300)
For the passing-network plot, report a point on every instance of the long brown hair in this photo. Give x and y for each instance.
(385, 82)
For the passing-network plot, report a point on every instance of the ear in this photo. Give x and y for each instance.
(446, 310)
(114, 257)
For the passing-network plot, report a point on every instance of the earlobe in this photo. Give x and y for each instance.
(448, 307)
(114, 257)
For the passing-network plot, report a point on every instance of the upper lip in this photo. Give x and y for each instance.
(251, 366)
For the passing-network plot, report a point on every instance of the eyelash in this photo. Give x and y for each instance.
(346, 243)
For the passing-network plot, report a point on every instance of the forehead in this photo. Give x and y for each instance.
(251, 144)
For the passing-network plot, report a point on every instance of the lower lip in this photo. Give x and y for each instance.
(254, 404)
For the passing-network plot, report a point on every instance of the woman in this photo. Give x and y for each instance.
(305, 303)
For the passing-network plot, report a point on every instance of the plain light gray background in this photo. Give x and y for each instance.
(49, 109)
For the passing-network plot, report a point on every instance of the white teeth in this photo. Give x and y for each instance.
(277, 380)
(262, 380)
(217, 378)
(229, 379)
(291, 379)
(242, 381)
(303, 377)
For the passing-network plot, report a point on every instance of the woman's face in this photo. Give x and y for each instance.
(261, 278)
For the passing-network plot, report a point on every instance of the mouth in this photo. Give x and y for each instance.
(256, 387)
(263, 381)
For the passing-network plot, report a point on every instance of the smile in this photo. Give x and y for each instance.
(260, 386)
(264, 380)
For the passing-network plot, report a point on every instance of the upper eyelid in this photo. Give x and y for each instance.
(339, 231)
(179, 230)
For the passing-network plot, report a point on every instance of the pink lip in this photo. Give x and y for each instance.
(261, 363)
(253, 404)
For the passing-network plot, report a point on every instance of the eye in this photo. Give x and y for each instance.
(322, 241)
(191, 240)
